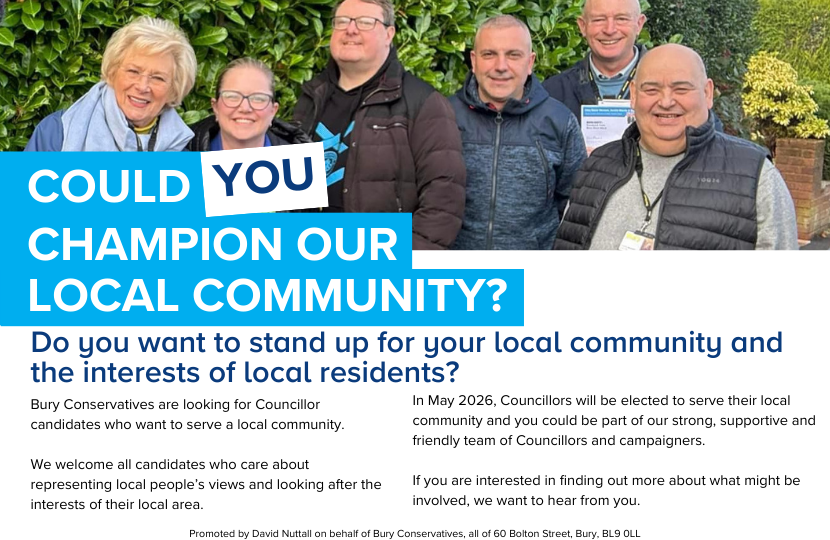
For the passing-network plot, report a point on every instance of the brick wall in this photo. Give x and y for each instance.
(800, 162)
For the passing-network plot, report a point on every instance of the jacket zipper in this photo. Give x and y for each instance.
(672, 175)
(354, 139)
(379, 128)
(494, 183)
(398, 187)
(390, 126)
(375, 91)
(353, 150)
(548, 193)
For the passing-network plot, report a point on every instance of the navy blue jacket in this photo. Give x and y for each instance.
(521, 163)
(573, 88)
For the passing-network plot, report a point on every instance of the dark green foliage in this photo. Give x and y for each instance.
(51, 49)
(799, 31)
(721, 32)
(821, 93)
(433, 35)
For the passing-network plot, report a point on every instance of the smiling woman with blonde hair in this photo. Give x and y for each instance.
(147, 69)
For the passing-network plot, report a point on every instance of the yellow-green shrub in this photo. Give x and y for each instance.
(777, 104)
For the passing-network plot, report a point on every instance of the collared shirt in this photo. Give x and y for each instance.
(611, 86)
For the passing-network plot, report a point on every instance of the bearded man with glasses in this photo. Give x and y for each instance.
(391, 141)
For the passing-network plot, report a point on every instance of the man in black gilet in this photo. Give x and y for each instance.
(673, 182)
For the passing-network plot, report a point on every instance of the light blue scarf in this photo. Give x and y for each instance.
(95, 123)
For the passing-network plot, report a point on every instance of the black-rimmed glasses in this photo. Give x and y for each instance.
(362, 23)
(258, 101)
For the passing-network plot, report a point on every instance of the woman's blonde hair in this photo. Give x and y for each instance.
(248, 63)
(153, 36)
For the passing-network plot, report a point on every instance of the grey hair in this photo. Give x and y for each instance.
(505, 21)
(637, 12)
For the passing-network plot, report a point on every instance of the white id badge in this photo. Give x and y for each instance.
(637, 241)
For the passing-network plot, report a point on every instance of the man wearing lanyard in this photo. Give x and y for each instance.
(673, 181)
(611, 28)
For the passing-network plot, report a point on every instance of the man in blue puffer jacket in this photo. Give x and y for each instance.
(521, 147)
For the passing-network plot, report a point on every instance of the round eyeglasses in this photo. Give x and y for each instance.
(257, 101)
(363, 24)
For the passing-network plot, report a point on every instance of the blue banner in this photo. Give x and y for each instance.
(120, 239)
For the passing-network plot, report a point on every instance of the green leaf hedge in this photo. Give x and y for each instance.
(51, 49)
(799, 31)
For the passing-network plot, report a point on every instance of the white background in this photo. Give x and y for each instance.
(588, 294)
(246, 201)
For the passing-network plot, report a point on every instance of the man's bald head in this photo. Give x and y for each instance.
(668, 55)
(670, 93)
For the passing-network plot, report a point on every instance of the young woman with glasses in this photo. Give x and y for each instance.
(244, 109)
